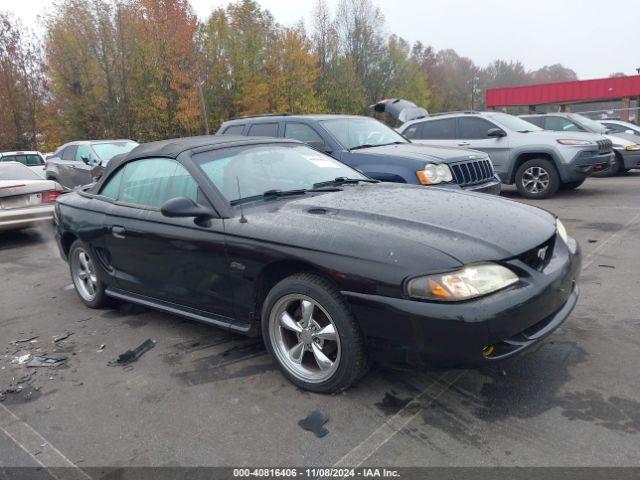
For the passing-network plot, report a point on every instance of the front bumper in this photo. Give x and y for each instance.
(492, 187)
(586, 163)
(400, 331)
(630, 158)
(15, 219)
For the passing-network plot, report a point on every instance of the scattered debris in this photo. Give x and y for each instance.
(131, 356)
(47, 360)
(101, 347)
(25, 340)
(606, 266)
(21, 359)
(64, 336)
(68, 287)
(314, 423)
(251, 378)
(592, 241)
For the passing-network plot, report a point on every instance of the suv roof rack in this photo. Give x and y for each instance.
(465, 112)
(242, 117)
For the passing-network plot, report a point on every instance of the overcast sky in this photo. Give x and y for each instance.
(593, 37)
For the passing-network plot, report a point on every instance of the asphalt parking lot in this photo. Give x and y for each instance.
(207, 397)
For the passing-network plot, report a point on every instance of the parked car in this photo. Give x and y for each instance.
(26, 199)
(83, 162)
(625, 146)
(376, 150)
(539, 163)
(335, 270)
(618, 126)
(30, 158)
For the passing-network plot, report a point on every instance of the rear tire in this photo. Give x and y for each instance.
(537, 179)
(310, 332)
(86, 277)
(571, 185)
(614, 168)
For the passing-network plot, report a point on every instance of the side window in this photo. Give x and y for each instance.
(538, 121)
(84, 151)
(34, 160)
(12, 158)
(302, 132)
(560, 124)
(182, 184)
(69, 153)
(146, 182)
(263, 130)
(412, 131)
(233, 130)
(474, 128)
(438, 129)
(112, 187)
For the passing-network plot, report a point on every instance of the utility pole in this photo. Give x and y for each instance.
(203, 105)
(474, 81)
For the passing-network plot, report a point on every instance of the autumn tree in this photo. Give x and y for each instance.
(22, 86)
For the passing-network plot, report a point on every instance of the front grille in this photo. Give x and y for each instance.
(472, 172)
(539, 257)
(604, 146)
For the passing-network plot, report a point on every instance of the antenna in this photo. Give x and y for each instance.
(242, 217)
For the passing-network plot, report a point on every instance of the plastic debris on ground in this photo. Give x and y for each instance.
(47, 360)
(314, 422)
(64, 336)
(131, 356)
(25, 340)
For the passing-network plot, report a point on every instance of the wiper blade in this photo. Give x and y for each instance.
(343, 181)
(275, 193)
(366, 145)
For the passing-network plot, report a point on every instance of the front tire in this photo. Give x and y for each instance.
(571, 185)
(310, 332)
(86, 277)
(537, 179)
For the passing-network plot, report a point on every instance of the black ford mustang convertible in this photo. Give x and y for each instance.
(335, 270)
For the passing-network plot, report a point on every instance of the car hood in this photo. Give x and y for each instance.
(425, 153)
(623, 139)
(404, 224)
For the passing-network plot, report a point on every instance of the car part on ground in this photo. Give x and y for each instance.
(83, 162)
(26, 199)
(626, 146)
(376, 150)
(552, 159)
(399, 109)
(330, 269)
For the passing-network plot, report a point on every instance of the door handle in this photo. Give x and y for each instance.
(463, 144)
(118, 231)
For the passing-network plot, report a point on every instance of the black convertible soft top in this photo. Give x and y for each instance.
(173, 147)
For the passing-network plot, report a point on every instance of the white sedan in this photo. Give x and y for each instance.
(25, 198)
(32, 159)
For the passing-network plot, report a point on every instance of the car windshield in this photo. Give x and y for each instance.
(247, 172)
(586, 122)
(361, 132)
(106, 151)
(512, 122)
(17, 171)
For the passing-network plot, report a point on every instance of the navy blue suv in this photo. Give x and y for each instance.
(376, 150)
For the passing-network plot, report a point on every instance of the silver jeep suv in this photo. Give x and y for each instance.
(538, 162)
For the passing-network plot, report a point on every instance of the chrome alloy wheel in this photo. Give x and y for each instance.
(304, 338)
(535, 179)
(83, 274)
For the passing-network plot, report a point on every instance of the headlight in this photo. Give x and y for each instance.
(632, 148)
(569, 141)
(470, 282)
(434, 174)
(561, 230)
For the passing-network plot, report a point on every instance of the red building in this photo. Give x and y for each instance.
(622, 89)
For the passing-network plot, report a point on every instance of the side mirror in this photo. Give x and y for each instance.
(630, 132)
(85, 160)
(496, 133)
(183, 207)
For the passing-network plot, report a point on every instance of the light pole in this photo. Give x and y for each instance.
(474, 81)
(203, 105)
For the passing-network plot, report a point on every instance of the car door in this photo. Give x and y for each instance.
(66, 165)
(170, 260)
(473, 132)
(84, 165)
